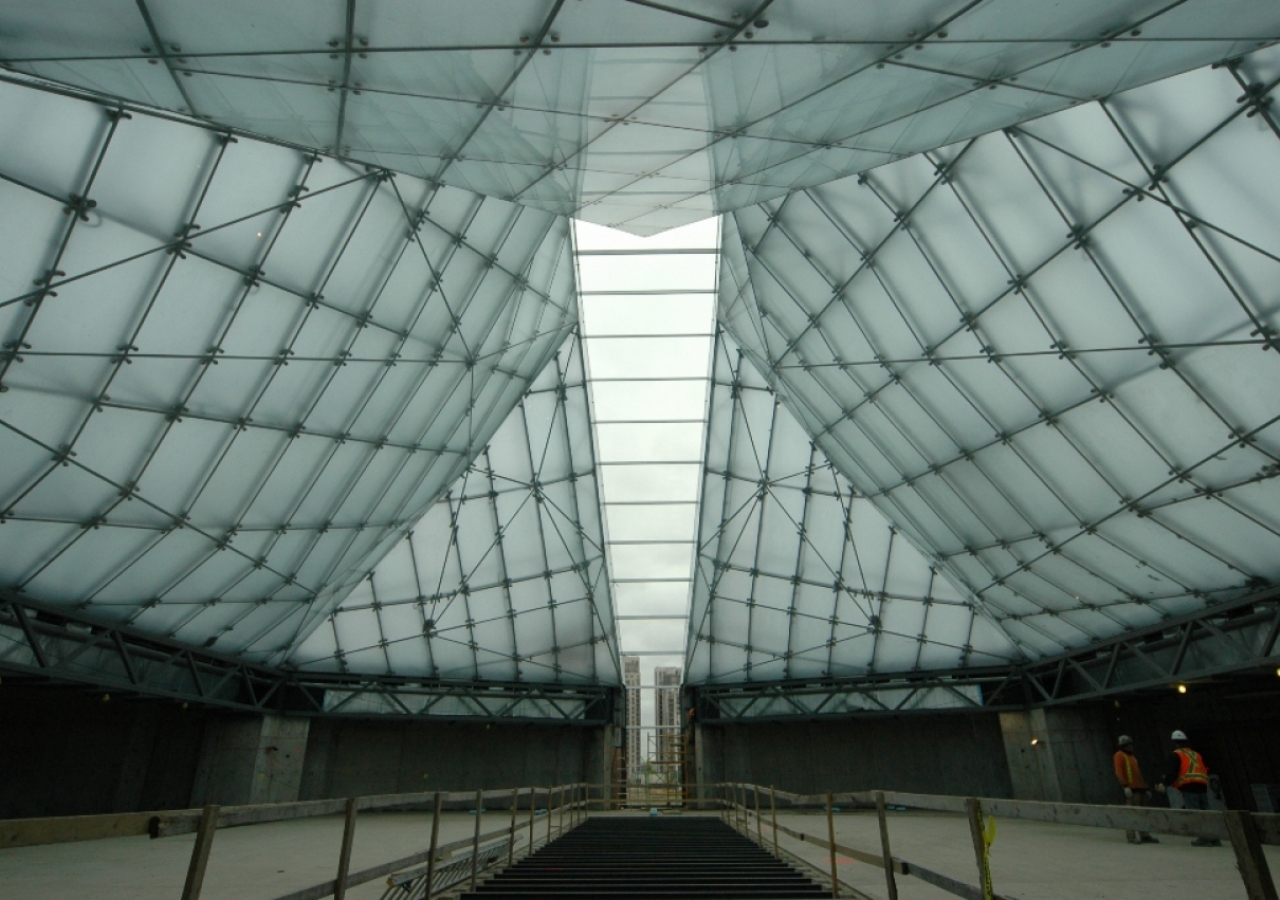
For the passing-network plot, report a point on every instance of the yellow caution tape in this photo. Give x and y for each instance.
(988, 838)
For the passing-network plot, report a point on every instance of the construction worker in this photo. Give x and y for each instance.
(1136, 792)
(1186, 771)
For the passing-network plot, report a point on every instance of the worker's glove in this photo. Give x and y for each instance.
(1128, 792)
(1160, 788)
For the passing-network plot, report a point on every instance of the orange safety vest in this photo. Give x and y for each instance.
(1128, 772)
(1191, 768)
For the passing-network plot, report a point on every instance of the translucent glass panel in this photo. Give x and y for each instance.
(647, 308)
(504, 578)
(1048, 355)
(800, 577)
(639, 116)
(235, 373)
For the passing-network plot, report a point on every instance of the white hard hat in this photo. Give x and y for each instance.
(1124, 739)
(1178, 736)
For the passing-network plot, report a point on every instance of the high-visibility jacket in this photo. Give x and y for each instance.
(1191, 768)
(1128, 772)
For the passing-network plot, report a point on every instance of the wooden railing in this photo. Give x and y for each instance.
(740, 803)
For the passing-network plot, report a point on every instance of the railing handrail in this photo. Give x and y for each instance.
(1184, 822)
(1246, 831)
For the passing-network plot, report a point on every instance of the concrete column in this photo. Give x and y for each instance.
(251, 759)
(1059, 755)
(699, 763)
(143, 727)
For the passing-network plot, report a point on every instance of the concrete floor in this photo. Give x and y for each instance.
(1029, 861)
(257, 862)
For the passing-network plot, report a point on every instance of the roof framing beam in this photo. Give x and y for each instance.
(46, 644)
(1230, 638)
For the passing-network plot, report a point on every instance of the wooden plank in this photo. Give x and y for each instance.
(945, 882)
(344, 854)
(364, 876)
(1184, 822)
(475, 844)
(200, 853)
(886, 855)
(831, 843)
(184, 821)
(63, 829)
(973, 809)
(435, 843)
(949, 884)
(1249, 859)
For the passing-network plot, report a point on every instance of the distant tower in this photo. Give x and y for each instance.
(668, 723)
(631, 681)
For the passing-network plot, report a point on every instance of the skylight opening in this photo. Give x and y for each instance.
(647, 308)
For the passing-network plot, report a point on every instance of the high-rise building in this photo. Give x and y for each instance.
(631, 681)
(667, 718)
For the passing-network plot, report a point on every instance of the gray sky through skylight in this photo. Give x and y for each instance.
(648, 313)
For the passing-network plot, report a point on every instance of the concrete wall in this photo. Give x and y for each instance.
(68, 752)
(350, 758)
(251, 759)
(942, 754)
(1070, 760)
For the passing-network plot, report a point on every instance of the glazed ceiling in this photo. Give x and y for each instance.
(633, 114)
(292, 366)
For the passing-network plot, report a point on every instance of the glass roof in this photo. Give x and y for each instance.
(800, 577)
(299, 361)
(504, 577)
(1047, 354)
(638, 115)
(234, 374)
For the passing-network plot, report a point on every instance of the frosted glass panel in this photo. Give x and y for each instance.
(1067, 419)
(643, 117)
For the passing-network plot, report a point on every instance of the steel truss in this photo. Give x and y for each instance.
(47, 644)
(1231, 638)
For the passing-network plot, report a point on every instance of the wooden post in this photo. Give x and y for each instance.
(755, 795)
(563, 806)
(435, 842)
(475, 841)
(511, 848)
(550, 793)
(533, 813)
(200, 852)
(889, 880)
(344, 855)
(974, 808)
(831, 839)
(1249, 859)
(773, 809)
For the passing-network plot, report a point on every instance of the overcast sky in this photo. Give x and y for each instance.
(649, 357)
